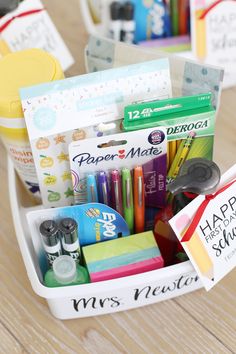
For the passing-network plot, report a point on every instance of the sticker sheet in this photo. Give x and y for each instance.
(82, 107)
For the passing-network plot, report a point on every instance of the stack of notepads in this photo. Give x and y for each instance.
(122, 257)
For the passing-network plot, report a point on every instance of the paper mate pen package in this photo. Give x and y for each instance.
(129, 172)
(190, 124)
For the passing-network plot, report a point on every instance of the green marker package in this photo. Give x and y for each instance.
(190, 124)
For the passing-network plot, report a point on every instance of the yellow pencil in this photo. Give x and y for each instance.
(178, 142)
(181, 155)
(200, 30)
(168, 157)
(184, 153)
(200, 256)
(172, 148)
(4, 48)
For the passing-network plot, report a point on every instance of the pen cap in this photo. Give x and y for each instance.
(91, 179)
(115, 10)
(128, 11)
(197, 175)
(68, 228)
(50, 233)
(64, 268)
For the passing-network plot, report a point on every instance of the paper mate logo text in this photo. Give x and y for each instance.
(105, 226)
(86, 158)
(188, 127)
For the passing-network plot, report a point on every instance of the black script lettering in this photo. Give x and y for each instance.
(138, 292)
(91, 301)
(177, 284)
(217, 249)
(185, 281)
(95, 303)
(103, 301)
(224, 241)
(115, 302)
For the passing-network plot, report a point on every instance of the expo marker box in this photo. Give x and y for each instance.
(102, 297)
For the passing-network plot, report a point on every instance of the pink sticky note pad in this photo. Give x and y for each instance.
(131, 269)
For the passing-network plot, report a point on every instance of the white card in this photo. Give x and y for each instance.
(22, 30)
(213, 34)
(73, 109)
(212, 246)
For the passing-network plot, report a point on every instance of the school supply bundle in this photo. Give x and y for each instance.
(115, 175)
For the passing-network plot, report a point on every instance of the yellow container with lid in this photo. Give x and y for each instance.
(21, 69)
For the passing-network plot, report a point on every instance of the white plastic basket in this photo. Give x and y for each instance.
(99, 29)
(95, 298)
(91, 27)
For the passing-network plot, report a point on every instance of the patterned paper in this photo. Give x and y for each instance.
(60, 112)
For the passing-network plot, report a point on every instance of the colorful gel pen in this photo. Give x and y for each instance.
(139, 200)
(103, 191)
(127, 193)
(92, 192)
(116, 192)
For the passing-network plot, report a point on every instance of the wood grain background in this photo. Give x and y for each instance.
(199, 322)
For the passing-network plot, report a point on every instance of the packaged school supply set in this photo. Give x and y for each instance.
(105, 209)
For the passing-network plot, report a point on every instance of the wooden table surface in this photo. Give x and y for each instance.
(198, 322)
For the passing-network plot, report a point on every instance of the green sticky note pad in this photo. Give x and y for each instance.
(120, 246)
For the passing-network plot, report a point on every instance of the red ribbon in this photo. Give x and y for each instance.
(203, 15)
(197, 217)
(23, 14)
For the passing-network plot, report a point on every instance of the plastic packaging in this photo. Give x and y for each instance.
(20, 69)
(65, 272)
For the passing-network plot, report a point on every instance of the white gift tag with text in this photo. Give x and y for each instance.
(29, 26)
(211, 247)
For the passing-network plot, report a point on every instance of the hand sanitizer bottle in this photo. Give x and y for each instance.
(65, 272)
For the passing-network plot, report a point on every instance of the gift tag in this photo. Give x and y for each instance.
(207, 230)
(213, 34)
(29, 26)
